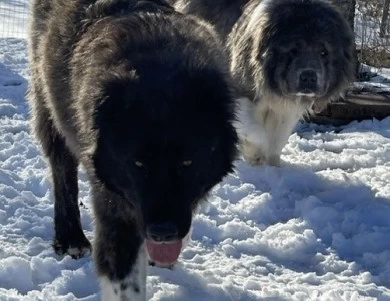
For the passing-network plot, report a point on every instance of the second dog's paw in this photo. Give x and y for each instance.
(274, 160)
(255, 160)
(252, 153)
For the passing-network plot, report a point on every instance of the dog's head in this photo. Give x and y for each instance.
(305, 49)
(164, 140)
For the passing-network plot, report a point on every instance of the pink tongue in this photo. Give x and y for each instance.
(163, 253)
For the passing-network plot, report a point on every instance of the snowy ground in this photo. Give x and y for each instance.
(367, 33)
(318, 228)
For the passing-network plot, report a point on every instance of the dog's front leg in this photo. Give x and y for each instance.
(121, 260)
(278, 124)
(130, 288)
(253, 138)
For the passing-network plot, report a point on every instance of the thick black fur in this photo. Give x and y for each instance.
(140, 96)
(223, 14)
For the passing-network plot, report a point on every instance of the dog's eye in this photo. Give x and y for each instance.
(187, 163)
(324, 53)
(293, 51)
(138, 164)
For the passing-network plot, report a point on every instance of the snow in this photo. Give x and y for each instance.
(378, 80)
(317, 228)
(366, 36)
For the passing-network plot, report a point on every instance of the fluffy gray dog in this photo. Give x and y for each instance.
(287, 57)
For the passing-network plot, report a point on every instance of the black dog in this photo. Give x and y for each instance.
(140, 96)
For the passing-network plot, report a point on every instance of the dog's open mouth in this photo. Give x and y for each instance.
(163, 254)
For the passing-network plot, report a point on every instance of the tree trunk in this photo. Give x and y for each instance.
(347, 8)
(385, 15)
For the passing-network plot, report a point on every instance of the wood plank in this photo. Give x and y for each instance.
(356, 106)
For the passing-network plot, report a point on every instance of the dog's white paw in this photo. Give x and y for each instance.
(252, 153)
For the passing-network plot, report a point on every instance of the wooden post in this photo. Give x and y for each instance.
(347, 8)
(385, 15)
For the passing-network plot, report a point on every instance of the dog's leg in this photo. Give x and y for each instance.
(69, 237)
(253, 138)
(130, 288)
(278, 125)
(252, 153)
(120, 256)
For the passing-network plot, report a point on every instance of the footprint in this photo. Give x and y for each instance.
(12, 82)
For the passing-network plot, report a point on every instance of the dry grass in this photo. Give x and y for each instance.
(372, 49)
(375, 56)
(371, 8)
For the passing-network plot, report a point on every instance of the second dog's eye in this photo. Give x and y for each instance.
(138, 164)
(187, 163)
(324, 53)
(293, 51)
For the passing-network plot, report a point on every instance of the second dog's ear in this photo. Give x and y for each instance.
(116, 98)
(210, 88)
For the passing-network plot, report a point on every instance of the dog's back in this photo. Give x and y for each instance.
(223, 14)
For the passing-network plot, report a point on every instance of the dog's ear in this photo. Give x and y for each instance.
(210, 90)
(212, 97)
(111, 115)
(116, 97)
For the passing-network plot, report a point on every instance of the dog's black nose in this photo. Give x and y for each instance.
(160, 232)
(308, 79)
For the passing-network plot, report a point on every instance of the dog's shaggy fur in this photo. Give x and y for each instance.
(223, 14)
(287, 57)
(140, 96)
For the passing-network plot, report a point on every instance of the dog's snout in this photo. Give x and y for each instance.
(308, 76)
(308, 80)
(162, 232)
